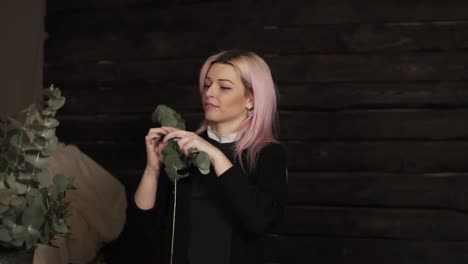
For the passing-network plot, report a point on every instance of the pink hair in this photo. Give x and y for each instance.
(260, 128)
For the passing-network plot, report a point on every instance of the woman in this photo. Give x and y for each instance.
(222, 216)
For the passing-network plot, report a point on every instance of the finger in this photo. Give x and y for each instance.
(190, 145)
(154, 137)
(186, 139)
(158, 130)
(170, 129)
(175, 134)
(159, 151)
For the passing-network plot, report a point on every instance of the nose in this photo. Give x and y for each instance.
(209, 90)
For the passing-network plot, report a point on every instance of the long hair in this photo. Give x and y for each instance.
(260, 128)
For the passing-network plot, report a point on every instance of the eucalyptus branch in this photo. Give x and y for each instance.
(41, 211)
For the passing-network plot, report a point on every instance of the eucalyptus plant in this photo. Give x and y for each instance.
(31, 210)
(176, 163)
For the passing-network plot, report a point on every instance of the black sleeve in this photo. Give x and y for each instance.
(148, 222)
(258, 203)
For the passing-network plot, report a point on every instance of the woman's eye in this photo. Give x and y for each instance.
(225, 87)
(206, 86)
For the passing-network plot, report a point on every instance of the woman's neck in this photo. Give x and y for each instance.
(224, 129)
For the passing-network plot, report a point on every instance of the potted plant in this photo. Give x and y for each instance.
(31, 210)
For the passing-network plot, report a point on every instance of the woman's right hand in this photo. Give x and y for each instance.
(154, 148)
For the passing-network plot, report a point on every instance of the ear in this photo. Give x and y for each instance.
(250, 102)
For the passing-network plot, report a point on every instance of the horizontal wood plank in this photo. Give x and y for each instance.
(142, 96)
(395, 223)
(315, 249)
(294, 125)
(100, 17)
(448, 66)
(269, 40)
(398, 156)
(437, 190)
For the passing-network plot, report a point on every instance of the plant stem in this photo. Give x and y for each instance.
(34, 168)
(174, 219)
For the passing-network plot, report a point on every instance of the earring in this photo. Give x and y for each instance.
(249, 111)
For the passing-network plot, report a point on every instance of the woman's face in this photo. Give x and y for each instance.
(224, 98)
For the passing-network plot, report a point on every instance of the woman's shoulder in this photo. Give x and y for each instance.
(273, 149)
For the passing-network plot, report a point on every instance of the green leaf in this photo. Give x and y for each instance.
(16, 123)
(27, 146)
(51, 147)
(3, 166)
(19, 232)
(32, 238)
(5, 235)
(20, 187)
(53, 193)
(45, 236)
(56, 92)
(4, 209)
(42, 176)
(204, 172)
(18, 202)
(11, 179)
(35, 212)
(37, 160)
(174, 161)
(6, 195)
(60, 226)
(170, 148)
(3, 173)
(203, 161)
(49, 91)
(25, 176)
(171, 173)
(47, 112)
(51, 122)
(56, 103)
(167, 117)
(40, 143)
(9, 221)
(62, 183)
(19, 142)
(46, 133)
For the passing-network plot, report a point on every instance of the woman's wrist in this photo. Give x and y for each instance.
(152, 171)
(220, 162)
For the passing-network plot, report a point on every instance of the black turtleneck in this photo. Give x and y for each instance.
(220, 219)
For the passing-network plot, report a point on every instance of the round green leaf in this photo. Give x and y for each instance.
(51, 122)
(5, 235)
(51, 147)
(56, 103)
(35, 212)
(37, 160)
(62, 183)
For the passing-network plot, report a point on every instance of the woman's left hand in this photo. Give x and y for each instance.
(189, 140)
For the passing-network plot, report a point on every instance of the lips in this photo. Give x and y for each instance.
(209, 106)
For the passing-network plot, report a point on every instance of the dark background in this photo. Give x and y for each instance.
(373, 106)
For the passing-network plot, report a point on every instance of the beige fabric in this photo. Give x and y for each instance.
(97, 208)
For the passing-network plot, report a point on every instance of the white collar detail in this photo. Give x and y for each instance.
(228, 138)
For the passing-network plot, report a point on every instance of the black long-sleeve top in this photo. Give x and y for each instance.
(219, 219)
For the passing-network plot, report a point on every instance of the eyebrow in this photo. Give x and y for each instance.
(226, 80)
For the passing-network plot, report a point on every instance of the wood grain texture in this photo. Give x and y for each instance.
(373, 100)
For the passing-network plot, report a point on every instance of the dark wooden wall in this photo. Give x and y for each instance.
(374, 109)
